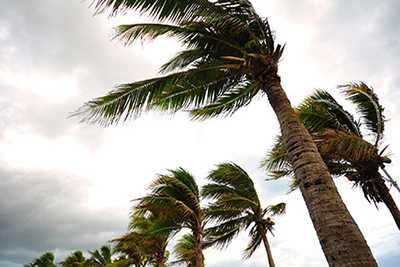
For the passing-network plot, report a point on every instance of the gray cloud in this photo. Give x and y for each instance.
(57, 40)
(46, 211)
(344, 41)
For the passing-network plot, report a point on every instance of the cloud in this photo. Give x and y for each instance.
(67, 186)
(47, 211)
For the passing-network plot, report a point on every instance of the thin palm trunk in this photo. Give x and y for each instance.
(199, 249)
(389, 201)
(390, 179)
(267, 249)
(341, 240)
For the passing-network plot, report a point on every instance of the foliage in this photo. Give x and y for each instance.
(339, 138)
(45, 260)
(229, 56)
(235, 206)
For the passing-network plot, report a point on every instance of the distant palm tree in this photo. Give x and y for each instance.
(342, 144)
(102, 257)
(235, 207)
(185, 251)
(141, 246)
(45, 260)
(76, 259)
(229, 57)
(176, 196)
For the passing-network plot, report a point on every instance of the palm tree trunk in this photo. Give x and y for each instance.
(199, 250)
(389, 177)
(267, 249)
(341, 240)
(389, 201)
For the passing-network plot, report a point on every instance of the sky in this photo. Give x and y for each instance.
(65, 185)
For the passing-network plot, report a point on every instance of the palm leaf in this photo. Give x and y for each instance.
(367, 103)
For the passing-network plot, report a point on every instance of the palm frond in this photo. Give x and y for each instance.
(321, 111)
(171, 93)
(173, 10)
(344, 146)
(367, 103)
(277, 209)
(228, 103)
(222, 234)
(185, 251)
(255, 241)
(277, 160)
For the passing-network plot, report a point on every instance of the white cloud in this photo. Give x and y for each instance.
(54, 64)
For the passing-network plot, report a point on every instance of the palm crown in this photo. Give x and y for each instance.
(235, 206)
(229, 57)
(176, 199)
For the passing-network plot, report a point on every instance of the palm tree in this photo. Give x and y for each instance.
(229, 57)
(141, 246)
(342, 144)
(45, 260)
(102, 257)
(185, 251)
(75, 259)
(176, 197)
(236, 206)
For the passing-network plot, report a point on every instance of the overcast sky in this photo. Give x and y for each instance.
(67, 186)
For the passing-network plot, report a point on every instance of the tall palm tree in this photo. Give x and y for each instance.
(236, 206)
(101, 257)
(342, 143)
(75, 259)
(45, 260)
(177, 198)
(229, 57)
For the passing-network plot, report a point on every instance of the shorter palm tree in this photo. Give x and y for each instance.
(75, 259)
(101, 257)
(141, 246)
(235, 206)
(45, 260)
(342, 144)
(185, 251)
(176, 198)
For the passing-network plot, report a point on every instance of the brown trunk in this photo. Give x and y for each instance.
(389, 201)
(267, 249)
(199, 250)
(341, 240)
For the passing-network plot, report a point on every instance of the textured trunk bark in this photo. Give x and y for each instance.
(341, 240)
(268, 249)
(389, 201)
(199, 250)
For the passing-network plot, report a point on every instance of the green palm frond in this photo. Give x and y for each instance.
(174, 10)
(255, 241)
(171, 93)
(321, 111)
(191, 35)
(216, 213)
(367, 103)
(228, 103)
(222, 234)
(185, 251)
(233, 177)
(277, 160)
(277, 209)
